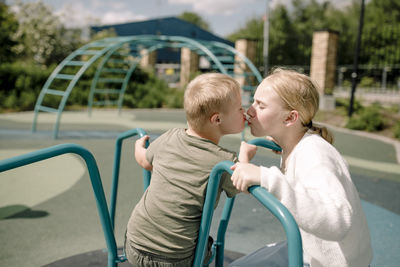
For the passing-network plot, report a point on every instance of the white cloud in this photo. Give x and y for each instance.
(113, 17)
(212, 7)
(229, 7)
(104, 4)
(76, 14)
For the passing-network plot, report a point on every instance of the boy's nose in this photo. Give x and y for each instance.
(250, 112)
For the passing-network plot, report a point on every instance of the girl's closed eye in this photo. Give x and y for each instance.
(261, 106)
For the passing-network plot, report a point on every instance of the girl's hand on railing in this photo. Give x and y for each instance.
(245, 175)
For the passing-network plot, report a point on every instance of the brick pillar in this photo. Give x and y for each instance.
(148, 60)
(248, 49)
(323, 65)
(189, 65)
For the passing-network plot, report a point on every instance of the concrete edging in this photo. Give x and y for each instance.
(387, 140)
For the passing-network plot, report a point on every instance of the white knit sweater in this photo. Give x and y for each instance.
(318, 191)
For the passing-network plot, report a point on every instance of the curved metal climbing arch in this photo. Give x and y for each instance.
(116, 59)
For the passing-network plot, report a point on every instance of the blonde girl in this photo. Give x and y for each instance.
(313, 180)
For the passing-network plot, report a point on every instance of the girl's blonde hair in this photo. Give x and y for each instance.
(299, 93)
(207, 94)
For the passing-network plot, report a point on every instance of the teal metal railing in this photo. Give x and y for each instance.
(295, 250)
(265, 143)
(295, 247)
(117, 159)
(97, 186)
(268, 200)
(107, 217)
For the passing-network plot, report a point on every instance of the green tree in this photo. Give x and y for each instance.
(253, 29)
(41, 36)
(195, 19)
(68, 40)
(291, 31)
(103, 34)
(345, 22)
(282, 36)
(381, 42)
(8, 25)
(308, 16)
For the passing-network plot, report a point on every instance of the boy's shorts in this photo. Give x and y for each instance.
(146, 259)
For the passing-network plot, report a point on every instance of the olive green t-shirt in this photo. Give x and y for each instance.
(166, 220)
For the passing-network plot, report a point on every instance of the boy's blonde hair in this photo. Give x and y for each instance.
(299, 93)
(207, 94)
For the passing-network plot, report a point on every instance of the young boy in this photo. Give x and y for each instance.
(163, 227)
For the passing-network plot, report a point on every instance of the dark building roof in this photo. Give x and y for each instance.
(170, 26)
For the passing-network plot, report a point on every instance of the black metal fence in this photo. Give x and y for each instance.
(379, 60)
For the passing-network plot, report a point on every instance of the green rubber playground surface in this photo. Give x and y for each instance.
(48, 212)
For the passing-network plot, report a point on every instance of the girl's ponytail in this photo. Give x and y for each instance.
(322, 131)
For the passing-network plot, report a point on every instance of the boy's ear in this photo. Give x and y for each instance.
(292, 117)
(215, 119)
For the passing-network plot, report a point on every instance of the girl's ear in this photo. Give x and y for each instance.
(215, 119)
(292, 117)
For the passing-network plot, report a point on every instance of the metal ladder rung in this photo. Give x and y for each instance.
(229, 66)
(238, 74)
(47, 109)
(226, 66)
(249, 74)
(64, 76)
(226, 58)
(89, 52)
(75, 63)
(55, 92)
(107, 91)
(248, 87)
(96, 44)
(111, 80)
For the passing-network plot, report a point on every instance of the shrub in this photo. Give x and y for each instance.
(345, 103)
(368, 119)
(20, 84)
(347, 83)
(356, 124)
(175, 98)
(367, 82)
(145, 90)
(397, 130)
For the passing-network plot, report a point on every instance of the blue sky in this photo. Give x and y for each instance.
(223, 16)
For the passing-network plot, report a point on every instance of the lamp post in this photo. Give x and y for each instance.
(354, 74)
